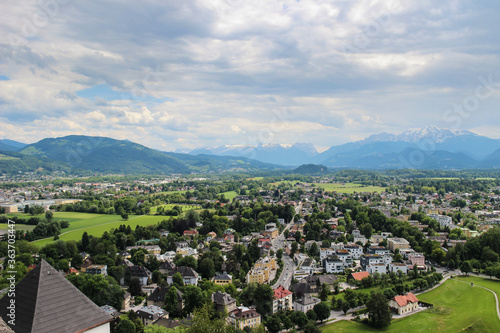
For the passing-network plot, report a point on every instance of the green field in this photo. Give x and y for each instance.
(457, 307)
(185, 208)
(26, 227)
(349, 187)
(230, 195)
(96, 225)
(169, 192)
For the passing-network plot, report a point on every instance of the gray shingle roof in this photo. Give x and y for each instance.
(46, 302)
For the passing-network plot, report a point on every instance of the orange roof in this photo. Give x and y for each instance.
(281, 292)
(403, 300)
(360, 275)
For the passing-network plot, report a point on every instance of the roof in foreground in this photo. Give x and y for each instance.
(46, 302)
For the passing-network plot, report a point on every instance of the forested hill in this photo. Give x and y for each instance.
(106, 155)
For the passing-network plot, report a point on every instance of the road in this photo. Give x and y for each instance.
(286, 276)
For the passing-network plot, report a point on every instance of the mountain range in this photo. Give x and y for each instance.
(106, 155)
(427, 148)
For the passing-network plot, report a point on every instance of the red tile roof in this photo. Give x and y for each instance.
(403, 300)
(360, 275)
(281, 292)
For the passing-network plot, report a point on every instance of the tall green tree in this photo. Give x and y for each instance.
(379, 312)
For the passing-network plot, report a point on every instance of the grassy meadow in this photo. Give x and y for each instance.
(457, 307)
(349, 187)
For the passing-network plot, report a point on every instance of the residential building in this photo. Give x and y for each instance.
(416, 258)
(443, 220)
(333, 264)
(404, 303)
(243, 317)
(47, 302)
(223, 279)
(223, 302)
(357, 276)
(258, 275)
(370, 259)
(397, 243)
(97, 270)
(140, 272)
(397, 266)
(157, 297)
(355, 250)
(152, 249)
(377, 268)
(189, 275)
(151, 314)
(166, 266)
(282, 299)
(305, 303)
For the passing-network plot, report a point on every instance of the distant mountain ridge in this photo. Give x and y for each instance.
(282, 154)
(427, 148)
(106, 155)
(11, 145)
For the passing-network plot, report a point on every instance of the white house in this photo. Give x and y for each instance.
(305, 303)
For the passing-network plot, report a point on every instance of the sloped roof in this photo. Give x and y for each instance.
(360, 275)
(403, 300)
(281, 292)
(46, 302)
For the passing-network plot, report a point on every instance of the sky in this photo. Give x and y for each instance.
(179, 75)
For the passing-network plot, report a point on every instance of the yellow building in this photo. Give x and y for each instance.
(258, 275)
(223, 279)
(269, 263)
(244, 317)
(271, 233)
(397, 243)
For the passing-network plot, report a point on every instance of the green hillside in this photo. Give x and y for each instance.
(106, 155)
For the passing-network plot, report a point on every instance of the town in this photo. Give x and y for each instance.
(280, 253)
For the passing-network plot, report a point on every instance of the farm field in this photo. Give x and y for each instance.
(98, 224)
(349, 187)
(457, 307)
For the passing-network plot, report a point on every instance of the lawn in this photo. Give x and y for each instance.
(230, 195)
(185, 208)
(349, 187)
(457, 307)
(27, 227)
(95, 224)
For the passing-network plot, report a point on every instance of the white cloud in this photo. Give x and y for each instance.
(208, 72)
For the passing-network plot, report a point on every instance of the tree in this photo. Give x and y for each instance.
(125, 326)
(325, 291)
(314, 250)
(85, 241)
(311, 327)
(49, 215)
(294, 248)
(264, 296)
(379, 312)
(134, 286)
(466, 267)
(206, 268)
(124, 216)
(177, 279)
(322, 311)
(204, 323)
(299, 319)
(311, 315)
(273, 324)
(279, 254)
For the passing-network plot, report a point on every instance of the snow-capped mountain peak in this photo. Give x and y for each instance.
(418, 134)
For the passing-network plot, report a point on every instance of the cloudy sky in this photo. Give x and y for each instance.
(185, 74)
